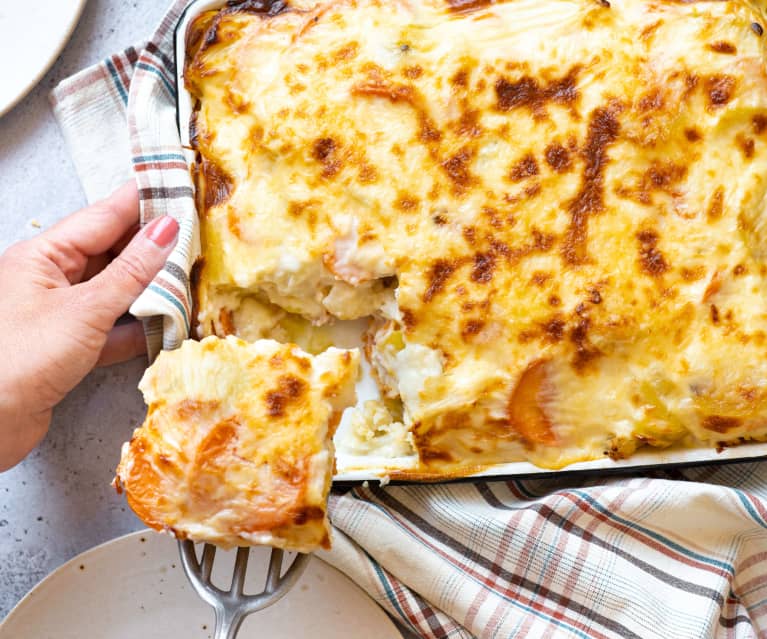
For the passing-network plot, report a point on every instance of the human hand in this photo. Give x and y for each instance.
(62, 293)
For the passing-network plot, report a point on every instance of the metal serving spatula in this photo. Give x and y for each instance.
(234, 605)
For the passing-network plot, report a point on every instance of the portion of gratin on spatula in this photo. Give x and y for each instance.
(237, 446)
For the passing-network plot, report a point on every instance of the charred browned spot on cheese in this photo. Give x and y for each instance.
(408, 318)
(467, 6)
(603, 131)
(722, 46)
(651, 259)
(226, 322)
(585, 352)
(289, 390)
(493, 216)
(558, 158)
(484, 265)
(540, 278)
(368, 174)
(428, 131)
(457, 169)
(651, 101)
(716, 206)
(268, 8)
(714, 314)
(468, 124)
(692, 274)
(413, 72)
(693, 135)
(469, 234)
(438, 275)
(217, 184)
(661, 176)
(595, 297)
(542, 242)
(532, 190)
(720, 90)
(554, 329)
(406, 202)
(720, 423)
(746, 146)
(555, 300)
(460, 78)
(759, 123)
(757, 28)
(347, 52)
(524, 168)
(325, 151)
(739, 270)
(528, 93)
(526, 409)
(471, 328)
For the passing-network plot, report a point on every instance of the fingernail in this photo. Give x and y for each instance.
(162, 231)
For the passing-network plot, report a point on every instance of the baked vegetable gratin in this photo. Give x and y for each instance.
(551, 211)
(236, 448)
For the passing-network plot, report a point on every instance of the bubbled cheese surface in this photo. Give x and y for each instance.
(552, 209)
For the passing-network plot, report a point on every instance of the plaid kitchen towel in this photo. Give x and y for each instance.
(676, 555)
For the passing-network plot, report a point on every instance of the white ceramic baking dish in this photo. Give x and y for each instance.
(352, 469)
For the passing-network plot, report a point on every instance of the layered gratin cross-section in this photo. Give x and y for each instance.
(237, 445)
(548, 214)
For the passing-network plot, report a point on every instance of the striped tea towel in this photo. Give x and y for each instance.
(676, 555)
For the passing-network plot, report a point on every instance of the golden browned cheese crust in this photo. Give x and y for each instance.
(553, 209)
(237, 446)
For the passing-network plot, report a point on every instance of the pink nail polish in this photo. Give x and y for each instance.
(162, 231)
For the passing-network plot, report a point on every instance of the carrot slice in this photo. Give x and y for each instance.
(527, 416)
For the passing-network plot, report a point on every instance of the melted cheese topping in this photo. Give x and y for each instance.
(567, 195)
(236, 448)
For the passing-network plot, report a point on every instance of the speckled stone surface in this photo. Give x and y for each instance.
(58, 502)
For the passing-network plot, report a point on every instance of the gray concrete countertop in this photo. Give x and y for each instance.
(58, 502)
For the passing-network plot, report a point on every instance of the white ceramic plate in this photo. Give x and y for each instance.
(32, 34)
(134, 586)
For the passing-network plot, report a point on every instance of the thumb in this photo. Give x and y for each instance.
(110, 293)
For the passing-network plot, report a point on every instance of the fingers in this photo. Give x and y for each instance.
(98, 263)
(97, 228)
(110, 293)
(124, 342)
(95, 265)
